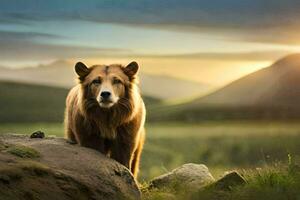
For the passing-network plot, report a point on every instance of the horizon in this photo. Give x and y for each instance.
(247, 67)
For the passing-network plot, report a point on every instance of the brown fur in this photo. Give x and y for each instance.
(118, 131)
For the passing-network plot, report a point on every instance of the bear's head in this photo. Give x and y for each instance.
(107, 85)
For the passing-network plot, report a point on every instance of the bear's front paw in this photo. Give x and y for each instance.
(71, 141)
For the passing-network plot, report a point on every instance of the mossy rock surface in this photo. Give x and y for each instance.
(23, 151)
(50, 168)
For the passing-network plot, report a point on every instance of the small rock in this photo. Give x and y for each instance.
(4, 178)
(189, 177)
(37, 134)
(229, 180)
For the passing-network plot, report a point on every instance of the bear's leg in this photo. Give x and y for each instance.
(121, 152)
(93, 141)
(136, 161)
(137, 155)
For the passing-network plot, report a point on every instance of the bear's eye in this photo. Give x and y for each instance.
(117, 81)
(97, 81)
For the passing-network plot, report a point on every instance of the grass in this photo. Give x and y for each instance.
(193, 112)
(273, 182)
(276, 182)
(221, 146)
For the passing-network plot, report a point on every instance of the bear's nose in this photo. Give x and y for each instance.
(105, 95)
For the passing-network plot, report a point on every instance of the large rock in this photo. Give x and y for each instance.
(189, 177)
(50, 168)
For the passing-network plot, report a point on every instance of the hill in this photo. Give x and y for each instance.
(20, 102)
(61, 74)
(271, 93)
(277, 85)
(31, 103)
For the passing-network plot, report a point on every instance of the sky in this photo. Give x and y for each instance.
(213, 41)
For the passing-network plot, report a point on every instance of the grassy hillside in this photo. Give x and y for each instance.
(204, 112)
(21, 102)
(31, 103)
(277, 85)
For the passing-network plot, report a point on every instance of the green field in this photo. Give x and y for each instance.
(220, 145)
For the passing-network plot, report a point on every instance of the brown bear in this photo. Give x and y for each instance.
(105, 112)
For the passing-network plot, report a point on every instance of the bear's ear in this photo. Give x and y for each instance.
(131, 69)
(81, 70)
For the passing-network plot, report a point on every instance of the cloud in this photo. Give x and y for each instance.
(13, 35)
(227, 56)
(21, 46)
(191, 12)
(24, 46)
(262, 21)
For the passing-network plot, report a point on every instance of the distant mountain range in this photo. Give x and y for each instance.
(61, 74)
(272, 92)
